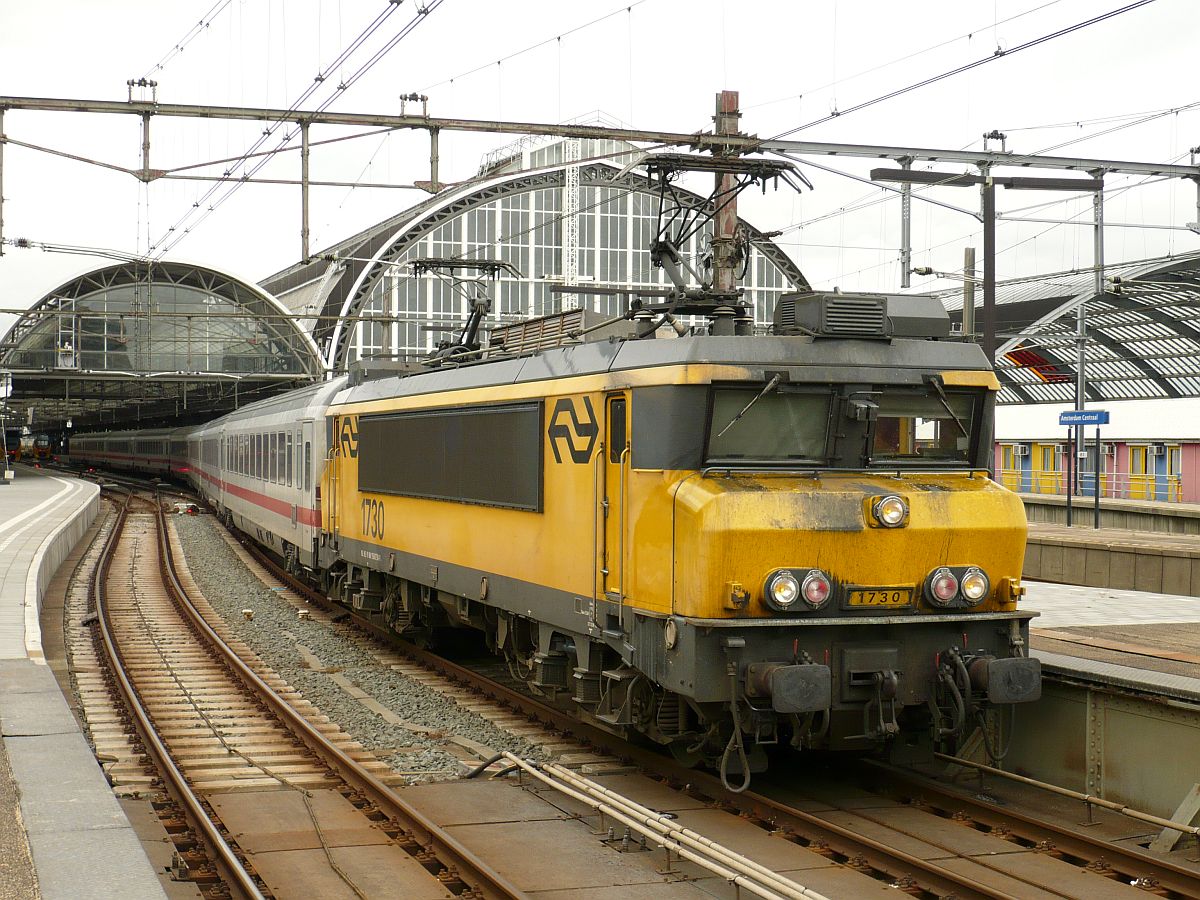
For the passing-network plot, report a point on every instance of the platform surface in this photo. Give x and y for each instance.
(32, 507)
(1137, 639)
(60, 825)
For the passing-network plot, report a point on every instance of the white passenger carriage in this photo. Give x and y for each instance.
(260, 467)
(161, 452)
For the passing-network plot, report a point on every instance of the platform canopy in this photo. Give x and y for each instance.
(1143, 333)
(140, 341)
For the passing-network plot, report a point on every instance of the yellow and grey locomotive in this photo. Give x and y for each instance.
(718, 541)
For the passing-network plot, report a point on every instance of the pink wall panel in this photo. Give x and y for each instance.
(1190, 462)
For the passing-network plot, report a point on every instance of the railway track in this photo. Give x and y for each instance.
(891, 827)
(897, 827)
(281, 806)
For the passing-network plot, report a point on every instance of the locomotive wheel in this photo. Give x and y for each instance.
(685, 756)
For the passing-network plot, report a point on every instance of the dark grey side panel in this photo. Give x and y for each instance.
(668, 426)
(489, 455)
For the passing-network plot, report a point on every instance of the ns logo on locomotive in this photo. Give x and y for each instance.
(722, 542)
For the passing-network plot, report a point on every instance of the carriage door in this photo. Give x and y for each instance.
(329, 495)
(616, 489)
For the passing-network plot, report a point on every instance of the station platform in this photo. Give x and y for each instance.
(1119, 715)
(1160, 516)
(1119, 558)
(62, 832)
(1139, 640)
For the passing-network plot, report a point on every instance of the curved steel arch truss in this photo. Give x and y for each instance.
(145, 336)
(1143, 336)
(379, 253)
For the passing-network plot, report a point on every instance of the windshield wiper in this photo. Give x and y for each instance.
(936, 381)
(771, 385)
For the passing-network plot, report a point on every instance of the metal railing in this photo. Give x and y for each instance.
(1113, 485)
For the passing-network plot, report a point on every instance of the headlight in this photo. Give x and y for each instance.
(975, 585)
(942, 587)
(783, 590)
(816, 588)
(789, 590)
(890, 511)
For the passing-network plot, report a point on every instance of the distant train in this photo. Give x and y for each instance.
(22, 447)
(722, 542)
(12, 443)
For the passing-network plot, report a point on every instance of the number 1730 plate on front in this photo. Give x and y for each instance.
(880, 597)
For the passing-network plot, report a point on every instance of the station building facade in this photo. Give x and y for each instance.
(1130, 468)
(562, 213)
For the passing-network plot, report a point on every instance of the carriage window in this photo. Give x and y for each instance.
(307, 466)
(289, 459)
(924, 428)
(775, 427)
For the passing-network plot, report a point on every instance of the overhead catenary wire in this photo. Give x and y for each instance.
(966, 67)
(1142, 121)
(423, 12)
(484, 67)
(268, 132)
(194, 32)
(1098, 120)
(199, 208)
(899, 59)
(885, 195)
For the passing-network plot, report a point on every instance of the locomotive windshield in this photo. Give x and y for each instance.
(924, 428)
(785, 425)
(769, 427)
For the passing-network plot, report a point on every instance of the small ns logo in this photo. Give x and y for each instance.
(567, 430)
(348, 437)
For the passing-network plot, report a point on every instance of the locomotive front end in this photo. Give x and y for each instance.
(845, 553)
(868, 602)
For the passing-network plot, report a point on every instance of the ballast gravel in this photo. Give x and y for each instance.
(281, 639)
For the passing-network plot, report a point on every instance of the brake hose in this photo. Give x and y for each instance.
(735, 740)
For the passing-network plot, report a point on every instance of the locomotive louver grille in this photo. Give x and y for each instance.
(834, 315)
(852, 316)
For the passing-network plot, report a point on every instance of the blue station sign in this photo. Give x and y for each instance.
(1083, 417)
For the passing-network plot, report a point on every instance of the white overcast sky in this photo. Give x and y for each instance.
(653, 64)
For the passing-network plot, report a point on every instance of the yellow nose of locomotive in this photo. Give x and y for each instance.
(764, 545)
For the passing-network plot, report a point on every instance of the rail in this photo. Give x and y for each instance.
(218, 848)
(1128, 860)
(1089, 799)
(448, 848)
(661, 828)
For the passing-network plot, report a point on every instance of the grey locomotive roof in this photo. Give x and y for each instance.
(833, 360)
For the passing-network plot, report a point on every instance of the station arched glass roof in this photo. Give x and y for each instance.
(1143, 333)
(142, 338)
(362, 300)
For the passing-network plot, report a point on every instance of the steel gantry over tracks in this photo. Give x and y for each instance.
(721, 142)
